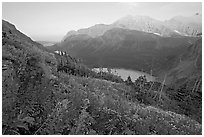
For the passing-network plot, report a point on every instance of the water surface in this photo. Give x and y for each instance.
(124, 73)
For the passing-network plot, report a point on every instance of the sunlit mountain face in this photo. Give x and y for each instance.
(179, 25)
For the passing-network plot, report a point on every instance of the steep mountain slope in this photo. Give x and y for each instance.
(175, 27)
(28, 70)
(144, 23)
(141, 23)
(131, 49)
(189, 26)
(38, 98)
(13, 46)
(186, 80)
(94, 31)
(190, 63)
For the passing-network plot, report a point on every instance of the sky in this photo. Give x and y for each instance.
(51, 21)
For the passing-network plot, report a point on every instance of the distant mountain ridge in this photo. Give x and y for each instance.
(177, 26)
(47, 43)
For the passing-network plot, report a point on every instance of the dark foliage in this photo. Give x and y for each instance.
(72, 66)
(185, 99)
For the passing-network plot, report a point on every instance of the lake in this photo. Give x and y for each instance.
(124, 73)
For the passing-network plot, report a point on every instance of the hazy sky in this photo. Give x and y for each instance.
(51, 21)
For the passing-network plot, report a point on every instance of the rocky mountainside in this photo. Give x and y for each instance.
(187, 26)
(177, 26)
(45, 93)
(145, 24)
(94, 31)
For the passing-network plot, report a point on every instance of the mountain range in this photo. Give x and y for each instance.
(134, 42)
(185, 26)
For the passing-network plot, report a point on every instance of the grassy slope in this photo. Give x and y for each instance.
(106, 110)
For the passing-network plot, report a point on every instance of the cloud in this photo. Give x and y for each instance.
(128, 5)
(161, 10)
(131, 4)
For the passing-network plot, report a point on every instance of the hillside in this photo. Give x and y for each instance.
(44, 93)
(190, 63)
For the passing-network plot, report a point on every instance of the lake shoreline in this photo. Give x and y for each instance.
(124, 73)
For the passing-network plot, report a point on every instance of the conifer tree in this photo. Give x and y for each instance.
(129, 81)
